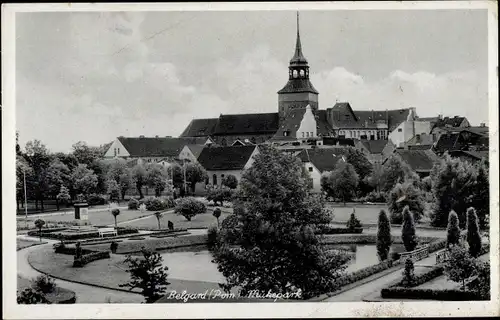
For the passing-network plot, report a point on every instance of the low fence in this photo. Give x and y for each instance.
(415, 255)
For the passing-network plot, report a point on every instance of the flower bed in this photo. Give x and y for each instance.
(166, 231)
(84, 235)
(364, 273)
(428, 294)
(70, 250)
(167, 235)
(424, 277)
(93, 256)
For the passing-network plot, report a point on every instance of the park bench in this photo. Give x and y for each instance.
(107, 231)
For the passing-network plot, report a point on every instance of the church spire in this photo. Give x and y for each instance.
(298, 57)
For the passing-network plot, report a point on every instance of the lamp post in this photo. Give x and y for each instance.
(25, 201)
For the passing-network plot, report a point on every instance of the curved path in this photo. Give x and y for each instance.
(84, 293)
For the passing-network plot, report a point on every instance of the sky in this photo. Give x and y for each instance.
(94, 76)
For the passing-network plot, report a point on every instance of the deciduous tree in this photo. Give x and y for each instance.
(230, 181)
(460, 265)
(139, 178)
(341, 183)
(83, 179)
(276, 249)
(402, 195)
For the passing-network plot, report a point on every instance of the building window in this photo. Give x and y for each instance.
(310, 169)
(303, 133)
(222, 176)
(118, 150)
(302, 73)
(214, 179)
(307, 134)
(285, 133)
(312, 134)
(114, 149)
(400, 130)
(295, 73)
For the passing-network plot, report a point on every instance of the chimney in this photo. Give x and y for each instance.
(440, 116)
(373, 116)
(482, 125)
(141, 136)
(156, 136)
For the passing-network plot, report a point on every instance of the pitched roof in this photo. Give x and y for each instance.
(478, 130)
(447, 142)
(451, 122)
(298, 85)
(420, 139)
(334, 141)
(478, 155)
(293, 119)
(225, 158)
(200, 127)
(343, 116)
(418, 160)
(324, 159)
(374, 146)
(157, 147)
(250, 123)
(196, 149)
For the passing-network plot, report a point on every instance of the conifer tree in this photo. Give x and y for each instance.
(384, 239)
(473, 236)
(408, 230)
(453, 236)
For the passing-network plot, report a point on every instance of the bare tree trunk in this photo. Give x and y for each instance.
(57, 204)
(41, 202)
(36, 204)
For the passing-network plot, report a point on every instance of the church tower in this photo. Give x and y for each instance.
(299, 91)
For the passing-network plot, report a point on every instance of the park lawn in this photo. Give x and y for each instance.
(107, 272)
(203, 220)
(365, 213)
(98, 218)
(22, 244)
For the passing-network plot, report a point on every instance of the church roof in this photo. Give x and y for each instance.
(200, 127)
(298, 57)
(324, 159)
(251, 123)
(298, 85)
(343, 116)
(157, 147)
(225, 158)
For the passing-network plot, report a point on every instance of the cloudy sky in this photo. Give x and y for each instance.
(96, 76)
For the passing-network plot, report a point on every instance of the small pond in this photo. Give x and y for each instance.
(363, 255)
(197, 264)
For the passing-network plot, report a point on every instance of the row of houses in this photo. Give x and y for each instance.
(318, 155)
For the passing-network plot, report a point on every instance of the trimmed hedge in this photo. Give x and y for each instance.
(428, 294)
(167, 235)
(45, 231)
(437, 245)
(364, 273)
(70, 250)
(330, 230)
(93, 256)
(86, 235)
(424, 277)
